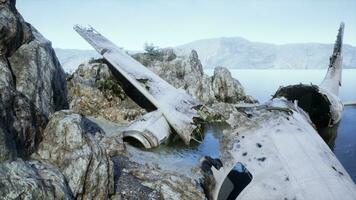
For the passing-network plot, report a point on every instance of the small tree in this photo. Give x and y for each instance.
(152, 50)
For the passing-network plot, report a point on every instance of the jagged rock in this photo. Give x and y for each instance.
(6, 78)
(227, 89)
(32, 180)
(20, 117)
(129, 187)
(169, 184)
(32, 83)
(136, 181)
(7, 145)
(187, 73)
(69, 143)
(39, 76)
(93, 91)
(14, 31)
(21, 120)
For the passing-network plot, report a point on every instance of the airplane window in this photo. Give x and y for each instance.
(238, 178)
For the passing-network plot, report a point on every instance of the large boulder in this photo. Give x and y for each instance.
(21, 121)
(39, 76)
(32, 180)
(150, 181)
(225, 88)
(6, 77)
(32, 82)
(129, 187)
(187, 73)
(71, 143)
(94, 91)
(7, 145)
(7, 142)
(14, 31)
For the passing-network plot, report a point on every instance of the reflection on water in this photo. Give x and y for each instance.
(329, 135)
(344, 145)
(342, 140)
(179, 157)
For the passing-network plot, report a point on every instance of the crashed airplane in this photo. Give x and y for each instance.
(321, 102)
(273, 153)
(281, 155)
(175, 104)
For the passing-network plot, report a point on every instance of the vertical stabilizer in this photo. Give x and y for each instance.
(332, 80)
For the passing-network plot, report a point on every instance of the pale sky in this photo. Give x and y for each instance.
(131, 23)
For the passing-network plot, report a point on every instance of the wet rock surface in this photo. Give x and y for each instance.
(70, 143)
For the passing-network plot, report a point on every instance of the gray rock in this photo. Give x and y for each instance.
(32, 180)
(227, 89)
(7, 145)
(141, 174)
(32, 83)
(69, 143)
(128, 186)
(21, 119)
(39, 76)
(187, 73)
(6, 77)
(14, 31)
(93, 91)
(136, 181)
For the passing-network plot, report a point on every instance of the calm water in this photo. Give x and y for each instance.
(261, 84)
(344, 145)
(179, 157)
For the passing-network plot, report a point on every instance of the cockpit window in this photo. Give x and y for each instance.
(238, 178)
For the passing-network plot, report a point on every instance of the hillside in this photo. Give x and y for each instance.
(239, 53)
(72, 58)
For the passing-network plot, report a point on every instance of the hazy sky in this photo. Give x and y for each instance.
(131, 23)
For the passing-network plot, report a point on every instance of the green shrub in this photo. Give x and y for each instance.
(111, 86)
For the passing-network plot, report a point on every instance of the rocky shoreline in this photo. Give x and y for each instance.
(61, 136)
(51, 149)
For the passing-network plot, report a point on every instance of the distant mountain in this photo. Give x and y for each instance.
(70, 59)
(239, 53)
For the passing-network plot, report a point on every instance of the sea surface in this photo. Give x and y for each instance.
(261, 84)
